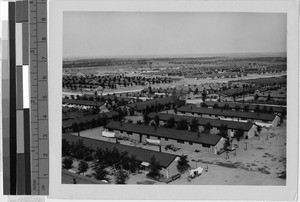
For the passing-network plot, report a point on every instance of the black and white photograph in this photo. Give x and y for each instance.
(174, 98)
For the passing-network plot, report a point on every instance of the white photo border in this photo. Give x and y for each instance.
(171, 192)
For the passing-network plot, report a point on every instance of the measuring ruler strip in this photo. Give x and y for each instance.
(5, 98)
(22, 82)
(39, 97)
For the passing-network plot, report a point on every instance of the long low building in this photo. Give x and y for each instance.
(68, 123)
(140, 106)
(82, 102)
(251, 107)
(208, 143)
(168, 162)
(271, 119)
(248, 127)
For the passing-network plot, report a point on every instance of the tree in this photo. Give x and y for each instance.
(83, 167)
(80, 151)
(183, 164)
(67, 163)
(170, 123)
(259, 129)
(66, 148)
(257, 109)
(216, 106)
(96, 110)
(237, 108)
(154, 168)
(207, 127)
(223, 131)
(134, 165)
(75, 128)
(204, 105)
(196, 91)
(121, 176)
(282, 116)
(156, 120)
(146, 118)
(246, 108)
(100, 173)
(194, 125)
(182, 125)
(204, 95)
(227, 143)
(239, 134)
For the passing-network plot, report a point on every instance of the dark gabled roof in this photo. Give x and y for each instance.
(228, 113)
(209, 139)
(82, 102)
(111, 97)
(68, 123)
(202, 121)
(233, 91)
(232, 105)
(139, 106)
(163, 159)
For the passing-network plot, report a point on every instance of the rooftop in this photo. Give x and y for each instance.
(69, 122)
(82, 102)
(232, 105)
(194, 137)
(228, 113)
(142, 155)
(202, 121)
(139, 106)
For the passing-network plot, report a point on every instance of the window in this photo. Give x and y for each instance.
(158, 138)
(121, 131)
(148, 136)
(166, 139)
(110, 130)
(190, 143)
(129, 133)
(180, 141)
(206, 145)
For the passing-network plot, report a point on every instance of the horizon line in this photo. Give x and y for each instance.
(256, 54)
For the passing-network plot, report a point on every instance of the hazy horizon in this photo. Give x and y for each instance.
(266, 54)
(150, 34)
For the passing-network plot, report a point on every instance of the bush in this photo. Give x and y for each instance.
(183, 164)
(154, 168)
(83, 167)
(67, 163)
(121, 176)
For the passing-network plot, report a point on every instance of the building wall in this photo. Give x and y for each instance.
(251, 132)
(163, 141)
(171, 170)
(276, 121)
(218, 146)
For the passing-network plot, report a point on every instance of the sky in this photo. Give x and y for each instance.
(146, 34)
